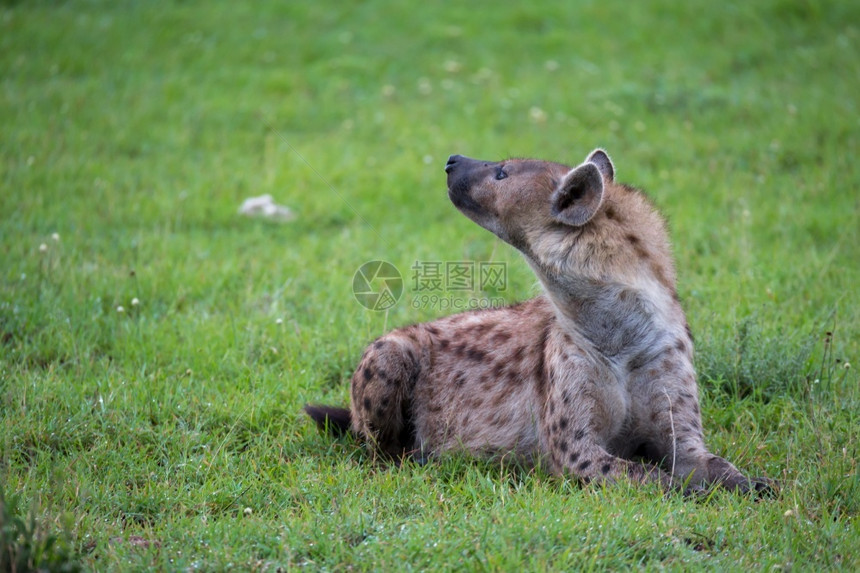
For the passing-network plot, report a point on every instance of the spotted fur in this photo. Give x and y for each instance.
(595, 377)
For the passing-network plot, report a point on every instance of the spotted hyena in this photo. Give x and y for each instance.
(595, 377)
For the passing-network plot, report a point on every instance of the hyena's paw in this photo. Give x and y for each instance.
(724, 474)
(761, 487)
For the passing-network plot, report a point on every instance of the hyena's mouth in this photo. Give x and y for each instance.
(458, 193)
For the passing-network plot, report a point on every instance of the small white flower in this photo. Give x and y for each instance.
(43, 248)
(279, 321)
(452, 66)
(55, 237)
(135, 301)
(537, 114)
(847, 366)
(120, 308)
(247, 512)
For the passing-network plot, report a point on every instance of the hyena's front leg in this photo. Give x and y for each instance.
(382, 388)
(582, 409)
(579, 454)
(678, 441)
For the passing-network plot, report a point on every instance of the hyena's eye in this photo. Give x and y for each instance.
(500, 174)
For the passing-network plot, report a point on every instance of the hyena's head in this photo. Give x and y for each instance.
(568, 222)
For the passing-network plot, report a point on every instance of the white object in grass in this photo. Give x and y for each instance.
(265, 206)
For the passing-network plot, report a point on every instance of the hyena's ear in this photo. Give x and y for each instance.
(578, 197)
(604, 164)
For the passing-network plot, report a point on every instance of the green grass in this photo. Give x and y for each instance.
(134, 130)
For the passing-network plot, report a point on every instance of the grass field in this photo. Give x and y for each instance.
(168, 434)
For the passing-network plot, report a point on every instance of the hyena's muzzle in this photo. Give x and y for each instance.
(464, 173)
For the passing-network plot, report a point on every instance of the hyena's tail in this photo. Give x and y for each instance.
(336, 421)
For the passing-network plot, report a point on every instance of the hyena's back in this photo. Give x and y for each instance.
(472, 381)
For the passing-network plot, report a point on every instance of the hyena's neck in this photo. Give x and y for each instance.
(620, 321)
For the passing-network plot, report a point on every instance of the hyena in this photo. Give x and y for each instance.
(594, 378)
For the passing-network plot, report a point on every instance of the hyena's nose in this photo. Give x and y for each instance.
(452, 161)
